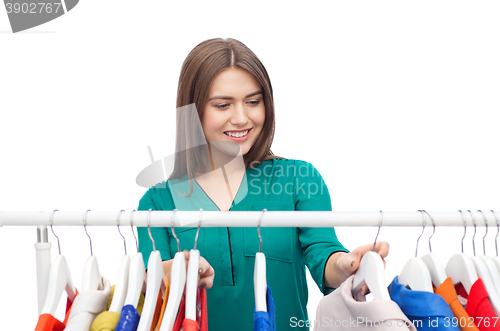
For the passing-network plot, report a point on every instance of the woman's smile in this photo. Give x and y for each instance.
(238, 135)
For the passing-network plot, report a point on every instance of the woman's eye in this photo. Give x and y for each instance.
(254, 102)
(222, 106)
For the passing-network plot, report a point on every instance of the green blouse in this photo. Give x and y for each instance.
(275, 185)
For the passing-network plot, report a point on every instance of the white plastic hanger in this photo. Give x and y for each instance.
(136, 275)
(496, 259)
(460, 267)
(193, 277)
(371, 273)
(59, 280)
(155, 284)
(177, 285)
(415, 273)
(488, 260)
(259, 275)
(122, 279)
(436, 268)
(484, 274)
(91, 279)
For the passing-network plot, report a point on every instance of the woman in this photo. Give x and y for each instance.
(225, 128)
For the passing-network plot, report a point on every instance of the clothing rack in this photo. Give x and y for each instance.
(42, 219)
(249, 218)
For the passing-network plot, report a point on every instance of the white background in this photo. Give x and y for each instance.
(396, 103)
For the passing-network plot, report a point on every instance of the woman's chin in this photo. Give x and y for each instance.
(229, 148)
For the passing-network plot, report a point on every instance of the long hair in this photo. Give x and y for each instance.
(198, 71)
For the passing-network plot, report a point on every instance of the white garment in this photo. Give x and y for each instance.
(87, 306)
(340, 311)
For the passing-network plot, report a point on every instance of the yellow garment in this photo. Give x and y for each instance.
(105, 321)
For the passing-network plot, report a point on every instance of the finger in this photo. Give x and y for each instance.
(382, 248)
(206, 270)
(206, 282)
(365, 290)
(347, 264)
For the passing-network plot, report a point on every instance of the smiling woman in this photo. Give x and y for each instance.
(223, 161)
(231, 113)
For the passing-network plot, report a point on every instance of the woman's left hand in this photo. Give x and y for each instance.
(341, 266)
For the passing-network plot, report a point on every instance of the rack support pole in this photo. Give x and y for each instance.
(43, 263)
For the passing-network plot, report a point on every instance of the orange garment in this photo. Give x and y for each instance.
(165, 300)
(449, 294)
(47, 322)
(156, 315)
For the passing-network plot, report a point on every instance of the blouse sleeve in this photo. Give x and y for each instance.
(317, 243)
(153, 199)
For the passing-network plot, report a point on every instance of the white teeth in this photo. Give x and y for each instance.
(237, 135)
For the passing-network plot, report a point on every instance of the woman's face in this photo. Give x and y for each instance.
(235, 107)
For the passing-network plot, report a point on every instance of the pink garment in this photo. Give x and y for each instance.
(340, 311)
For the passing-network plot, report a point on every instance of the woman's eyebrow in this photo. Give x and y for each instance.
(231, 98)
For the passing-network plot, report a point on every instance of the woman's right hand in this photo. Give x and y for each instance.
(205, 271)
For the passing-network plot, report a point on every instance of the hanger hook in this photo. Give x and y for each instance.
(198, 231)
(474, 236)
(51, 219)
(118, 226)
(132, 227)
(149, 229)
(85, 228)
(173, 231)
(486, 233)
(379, 225)
(423, 229)
(258, 229)
(498, 230)
(465, 229)
(433, 231)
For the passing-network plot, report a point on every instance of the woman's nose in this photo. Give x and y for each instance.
(239, 115)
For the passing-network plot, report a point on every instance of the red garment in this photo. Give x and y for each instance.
(188, 324)
(180, 316)
(47, 322)
(479, 306)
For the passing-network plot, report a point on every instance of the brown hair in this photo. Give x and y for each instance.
(198, 71)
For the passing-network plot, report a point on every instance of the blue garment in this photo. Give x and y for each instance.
(427, 311)
(129, 319)
(266, 321)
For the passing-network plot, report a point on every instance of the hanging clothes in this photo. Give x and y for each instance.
(108, 320)
(156, 326)
(275, 185)
(129, 317)
(478, 306)
(427, 311)
(105, 321)
(339, 310)
(47, 322)
(87, 306)
(266, 320)
(185, 324)
(449, 294)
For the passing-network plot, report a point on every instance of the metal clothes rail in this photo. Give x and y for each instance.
(248, 218)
